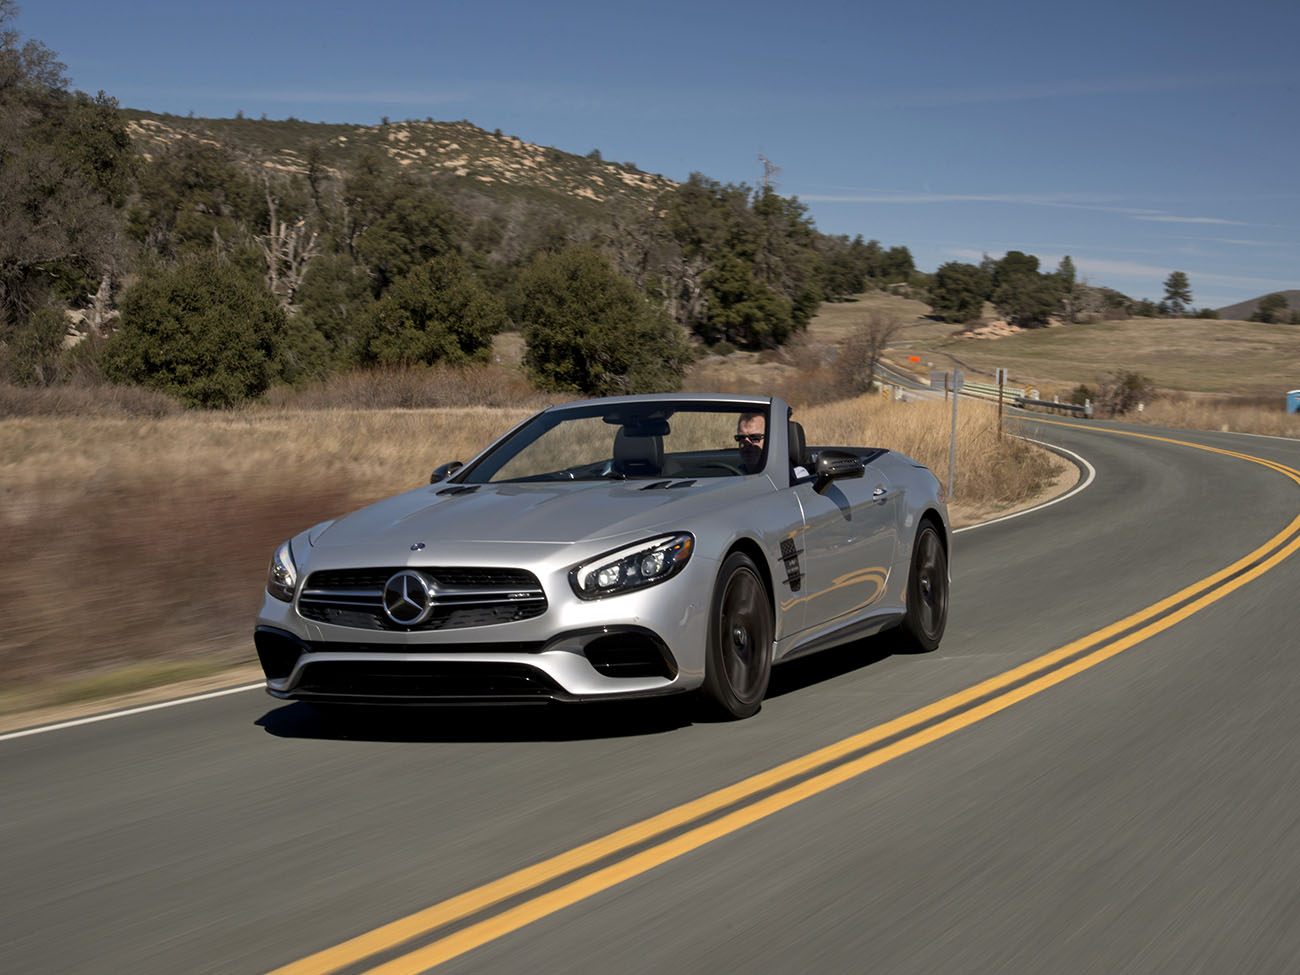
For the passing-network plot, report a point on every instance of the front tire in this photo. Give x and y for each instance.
(738, 661)
(927, 592)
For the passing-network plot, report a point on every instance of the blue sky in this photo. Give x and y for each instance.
(1137, 138)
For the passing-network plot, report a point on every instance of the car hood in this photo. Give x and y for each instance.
(548, 513)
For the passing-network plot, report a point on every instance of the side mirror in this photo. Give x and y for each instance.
(834, 465)
(445, 471)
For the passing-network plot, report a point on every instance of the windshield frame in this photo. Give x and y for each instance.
(617, 412)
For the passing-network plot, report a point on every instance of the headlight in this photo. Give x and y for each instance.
(282, 576)
(634, 567)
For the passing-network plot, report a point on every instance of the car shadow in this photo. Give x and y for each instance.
(817, 668)
(472, 723)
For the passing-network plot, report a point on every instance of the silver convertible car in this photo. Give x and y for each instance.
(612, 548)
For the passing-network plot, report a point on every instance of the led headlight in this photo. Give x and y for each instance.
(634, 567)
(282, 576)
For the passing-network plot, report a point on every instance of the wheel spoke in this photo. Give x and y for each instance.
(740, 640)
(927, 595)
(741, 633)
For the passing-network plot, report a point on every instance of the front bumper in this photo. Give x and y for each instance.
(596, 663)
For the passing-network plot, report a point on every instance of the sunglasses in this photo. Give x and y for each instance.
(754, 438)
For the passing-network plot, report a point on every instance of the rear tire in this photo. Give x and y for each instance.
(738, 659)
(927, 592)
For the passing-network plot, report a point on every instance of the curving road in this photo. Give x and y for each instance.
(1086, 777)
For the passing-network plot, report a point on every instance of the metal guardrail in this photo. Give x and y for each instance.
(991, 390)
(1015, 396)
(1073, 409)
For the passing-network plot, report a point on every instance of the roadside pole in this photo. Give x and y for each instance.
(957, 378)
(1002, 381)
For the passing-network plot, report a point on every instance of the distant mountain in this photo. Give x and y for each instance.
(1244, 309)
(467, 162)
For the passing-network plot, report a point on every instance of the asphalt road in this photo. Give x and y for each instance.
(1129, 805)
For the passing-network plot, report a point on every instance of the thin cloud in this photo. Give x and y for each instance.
(1067, 201)
(1166, 218)
(1240, 243)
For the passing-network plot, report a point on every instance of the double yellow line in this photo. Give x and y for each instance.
(542, 889)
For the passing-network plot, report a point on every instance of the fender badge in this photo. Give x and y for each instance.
(418, 546)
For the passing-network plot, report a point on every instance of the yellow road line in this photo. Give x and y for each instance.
(429, 920)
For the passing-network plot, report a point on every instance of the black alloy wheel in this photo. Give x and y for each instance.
(739, 657)
(927, 591)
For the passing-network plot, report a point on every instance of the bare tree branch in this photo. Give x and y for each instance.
(288, 249)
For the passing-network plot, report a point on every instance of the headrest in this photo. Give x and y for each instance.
(638, 456)
(798, 447)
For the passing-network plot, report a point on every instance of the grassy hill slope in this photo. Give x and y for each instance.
(1244, 309)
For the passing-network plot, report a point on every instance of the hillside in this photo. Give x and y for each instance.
(1244, 309)
(466, 162)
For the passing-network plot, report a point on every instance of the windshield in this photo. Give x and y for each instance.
(631, 440)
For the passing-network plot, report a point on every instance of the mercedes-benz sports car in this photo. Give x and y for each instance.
(610, 548)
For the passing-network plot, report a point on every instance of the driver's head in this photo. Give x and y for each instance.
(750, 433)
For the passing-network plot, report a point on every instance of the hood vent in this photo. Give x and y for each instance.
(666, 485)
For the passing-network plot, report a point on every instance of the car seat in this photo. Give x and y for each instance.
(638, 456)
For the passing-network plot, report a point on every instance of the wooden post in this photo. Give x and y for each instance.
(1002, 378)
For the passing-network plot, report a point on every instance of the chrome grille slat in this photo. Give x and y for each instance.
(463, 597)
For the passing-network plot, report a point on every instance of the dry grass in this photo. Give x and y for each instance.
(134, 541)
(1210, 413)
(414, 387)
(130, 540)
(835, 321)
(990, 472)
(86, 400)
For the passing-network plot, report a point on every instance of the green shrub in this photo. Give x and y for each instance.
(958, 292)
(209, 333)
(439, 312)
(588, 329)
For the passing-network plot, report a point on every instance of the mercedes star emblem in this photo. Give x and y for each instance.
(408, 598)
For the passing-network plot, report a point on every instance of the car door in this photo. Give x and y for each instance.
(849, 541)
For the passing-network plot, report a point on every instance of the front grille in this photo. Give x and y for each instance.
(424, 681)
(463, 597)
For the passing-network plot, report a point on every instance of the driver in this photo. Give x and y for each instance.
(750, 431)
